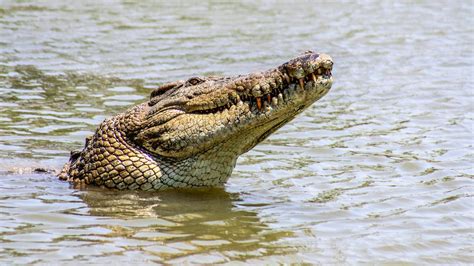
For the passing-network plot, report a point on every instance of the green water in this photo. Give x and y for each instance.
(378, 171)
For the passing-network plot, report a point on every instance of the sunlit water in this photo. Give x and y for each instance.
(380, 170)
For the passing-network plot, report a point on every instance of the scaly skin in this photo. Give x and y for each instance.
(190, 133)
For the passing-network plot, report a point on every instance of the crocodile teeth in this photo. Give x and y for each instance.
(268, 108)
(259, 103)
(280, 97)
(301, 83)
(274, 101)
(313, 77)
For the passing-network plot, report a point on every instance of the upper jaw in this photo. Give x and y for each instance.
(272, 88)
(264, 89)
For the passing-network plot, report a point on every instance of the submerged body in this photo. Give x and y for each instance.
(190, 133)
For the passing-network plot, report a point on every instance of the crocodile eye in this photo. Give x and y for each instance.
(194, 81)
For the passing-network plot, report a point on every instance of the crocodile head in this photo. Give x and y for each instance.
(194, 130)
(215, 114)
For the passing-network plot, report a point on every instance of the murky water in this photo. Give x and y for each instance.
(380, 170)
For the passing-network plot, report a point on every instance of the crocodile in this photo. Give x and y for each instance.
(191, 132)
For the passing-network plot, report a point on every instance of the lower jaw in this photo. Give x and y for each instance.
(257, 124)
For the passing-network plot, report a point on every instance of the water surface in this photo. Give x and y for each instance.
(378, 171)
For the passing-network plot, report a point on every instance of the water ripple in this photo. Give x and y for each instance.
(379, 171)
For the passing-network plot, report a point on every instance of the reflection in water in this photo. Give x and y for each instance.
(59, 224)
(201, 222)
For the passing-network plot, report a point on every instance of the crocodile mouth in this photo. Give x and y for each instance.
(320, 78)
(289, 87)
